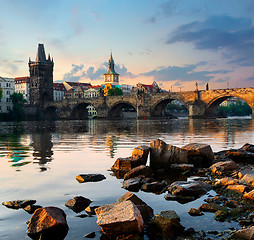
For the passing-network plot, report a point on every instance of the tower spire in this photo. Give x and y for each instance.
(40, 56)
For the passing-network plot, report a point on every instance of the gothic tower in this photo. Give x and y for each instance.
(41, 78)
(111, 76)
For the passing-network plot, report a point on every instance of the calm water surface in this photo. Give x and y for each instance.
(40, 160)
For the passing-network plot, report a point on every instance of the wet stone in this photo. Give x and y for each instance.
(78, 203)
(90, 178)
(16, 204)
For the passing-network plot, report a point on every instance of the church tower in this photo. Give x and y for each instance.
(41, 78)
(111, 76)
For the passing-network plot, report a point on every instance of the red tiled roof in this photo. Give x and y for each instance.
(22, 79)
(58, 86)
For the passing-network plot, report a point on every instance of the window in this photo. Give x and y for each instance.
(8, 108)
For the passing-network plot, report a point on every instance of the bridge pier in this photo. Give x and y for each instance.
(197, 109)
(143, 106)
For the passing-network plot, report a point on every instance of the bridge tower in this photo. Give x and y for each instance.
(111, 76)
(41, 78)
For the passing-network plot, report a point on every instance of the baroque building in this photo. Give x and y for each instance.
(41, 78)
(7, 86)
(22, 86)
(111, 76)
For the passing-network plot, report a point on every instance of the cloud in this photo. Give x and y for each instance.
(18, 61)
(185, 74)
(232, 37)
(79, 72)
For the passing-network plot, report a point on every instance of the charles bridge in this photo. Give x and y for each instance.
(200, 104)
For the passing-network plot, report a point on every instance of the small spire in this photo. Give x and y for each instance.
(49, 57)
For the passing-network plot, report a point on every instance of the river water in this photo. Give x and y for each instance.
(40, 160)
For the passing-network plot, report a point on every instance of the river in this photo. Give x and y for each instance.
(40, 160)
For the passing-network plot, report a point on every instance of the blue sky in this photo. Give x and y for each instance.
(175, 43)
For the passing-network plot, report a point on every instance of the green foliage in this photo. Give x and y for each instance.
(115, 92)
(17, 112)
(235, 109)
(1, 93)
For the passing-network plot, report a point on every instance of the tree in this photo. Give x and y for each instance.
(17, 112)
(115, 91)
(1, 93)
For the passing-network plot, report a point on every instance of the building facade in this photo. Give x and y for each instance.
(58, 91)
(111, 76)
(22, 86)
(41, 78)
(8, 87)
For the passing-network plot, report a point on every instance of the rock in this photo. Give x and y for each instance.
(170, 214)
(90, 178)
(31, 208)
(91, 210)
(225, 182)
(140, 154)
(248, 147)
(194, 188)
(145, 210)
(199, 154)
(171, 197)
(195, 212)
(248, 179)
(240, 155)
(155, 187)
(238, 188)
(48, 223)
(243, 234)
(220, 168)
(211, 207)
(249, 195)
(78, 203)
(16, 204)
(137, 171)
(90, 235)
(165, 228)
(230, 214)
(163, 155)
(120, 218)
(182, 167)
(132, 184)
(123, 164)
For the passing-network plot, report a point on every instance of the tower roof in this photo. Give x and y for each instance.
(41, 56)
(111, 66)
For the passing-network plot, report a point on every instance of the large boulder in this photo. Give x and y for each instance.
(249, 195)
(132, 184)
(90, 177)
(248, 147)
(121, 218)
(78, 203)
(139, 171)
(186, 188)
(145, 210)
(140, 154)
(48, 223)
(163, 155)
(243, 234)
(155, 187)
(199, 154)
(240, 155)
(224, 167)
(238, 188)
(225, 182)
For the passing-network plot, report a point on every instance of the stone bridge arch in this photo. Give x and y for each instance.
(79, 111)
(159, 105)
(213, 104)
(51, 113)
(116, 108)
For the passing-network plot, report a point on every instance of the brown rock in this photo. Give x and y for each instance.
(248, 179)
(120, 218)
(140, 154)
(248, 147)
(211, 207)
(249, 195)
(138, 171)
(145, 210)
(195, 212)
(48, 223)
(240, 155)
(90, 178)
(16, 204)
(238, 188)
(226, 181)
(78, 203)
(199, 154)
(195, 188)
(220, 168)
(155, 187)
(243, 234)
(165, 228)
(162, 154)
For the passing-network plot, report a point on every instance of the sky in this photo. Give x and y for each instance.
(173, 42)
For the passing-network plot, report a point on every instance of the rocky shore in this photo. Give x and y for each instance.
(196, 170)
